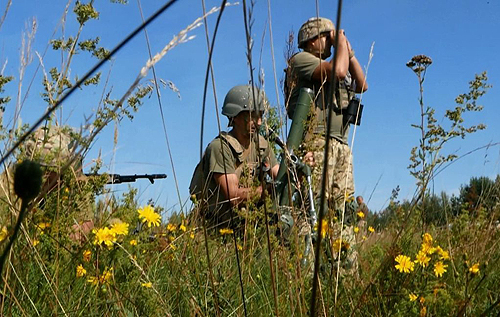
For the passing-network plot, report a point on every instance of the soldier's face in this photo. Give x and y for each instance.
(248, 122)
(322, 45)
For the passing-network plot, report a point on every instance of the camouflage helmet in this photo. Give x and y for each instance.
(52, 146)
(312, 28)
(241, 98)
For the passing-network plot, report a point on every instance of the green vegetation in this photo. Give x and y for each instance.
(82, 253)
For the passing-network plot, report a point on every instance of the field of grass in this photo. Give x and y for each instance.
(75, 249)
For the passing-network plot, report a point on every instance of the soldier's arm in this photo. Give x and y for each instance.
(356, 71)
(324, 69)
(229, 185)
(274, 171)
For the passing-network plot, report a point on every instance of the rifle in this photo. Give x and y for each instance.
(118, 179)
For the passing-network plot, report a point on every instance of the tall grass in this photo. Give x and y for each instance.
(133, 263)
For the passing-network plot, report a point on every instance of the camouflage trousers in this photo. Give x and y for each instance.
(343, 244)
(339, 181)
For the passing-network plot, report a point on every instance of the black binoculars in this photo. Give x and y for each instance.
(352, 114)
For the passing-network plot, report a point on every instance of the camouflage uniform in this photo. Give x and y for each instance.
(340, 181)
(53, 147)
(225, 155)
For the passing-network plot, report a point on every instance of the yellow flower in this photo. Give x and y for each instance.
(171, 227)
(239, 247)
(356, 229)
(149, 215)
(35, 242)
(443, 255)
(104, 278)
(104, 235)
(364, 238)
(427, 238)
(421, 300)
(225, 231)
(340, 245)
(43, 225)
(86, 255)
(405, 264)
(80, 271)
(370, 228)
(423, 311)
(422, 258)
(474, 269)
(428, 248)
(324, 227)
(191, 235)
(183, 228)
(3, 233)
(147, 285)
(439, 268)
(133, 242)
(413, 297)
(93, 280)
(106, 275)
(361, 214)
(120, 228)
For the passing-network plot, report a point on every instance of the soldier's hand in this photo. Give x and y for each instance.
(309, 159)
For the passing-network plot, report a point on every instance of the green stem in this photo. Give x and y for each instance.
(20, 219)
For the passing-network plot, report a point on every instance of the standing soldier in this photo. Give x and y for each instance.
(310, 69)
(230, 164)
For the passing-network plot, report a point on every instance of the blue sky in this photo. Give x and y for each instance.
(460, 36)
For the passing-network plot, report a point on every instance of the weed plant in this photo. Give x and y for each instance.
(431, 256)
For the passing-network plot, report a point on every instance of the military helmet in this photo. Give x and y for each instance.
(241, 98)
(312, 28)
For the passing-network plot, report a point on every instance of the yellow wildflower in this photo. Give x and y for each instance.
(171, 227)
(423, 311)
(239, 247)
(191, 235)
(405, 264)
(35, 242)
(183, 228)
(149, 215)
(147, 285)
(133, 242)
(225, 231)
(371, 229)
(106, 275)
(356, 229)
(120, 228)
(361, 214)
(43, 225)
(86, 255)
(474, 269)
(104, 235)
(439, 268)
(422, 258)
(3, 233)
(422, 300)
(339, 244)
(413, 297)
(93, 280)
(364, 238)
(443, 255)
(80, 271)
(427, 238)
(324, 228)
